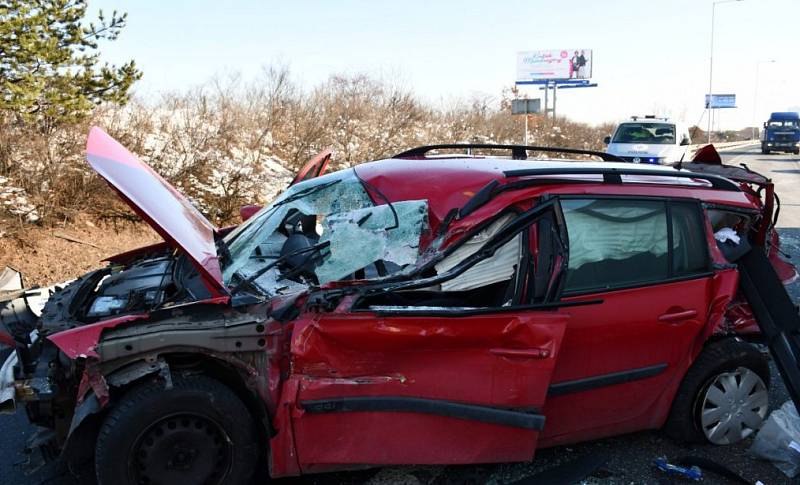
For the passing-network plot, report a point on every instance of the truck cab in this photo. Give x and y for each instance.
(650, 140)
(781, 133)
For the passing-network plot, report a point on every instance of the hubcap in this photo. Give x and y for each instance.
(734, 406)
(182, 448)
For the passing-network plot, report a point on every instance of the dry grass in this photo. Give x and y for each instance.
(44, 258)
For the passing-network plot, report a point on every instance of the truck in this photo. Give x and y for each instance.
(781, 133)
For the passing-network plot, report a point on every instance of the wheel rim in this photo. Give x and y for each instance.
(734, 406)
(181, 448)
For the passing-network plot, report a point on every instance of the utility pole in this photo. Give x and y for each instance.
(711, 65)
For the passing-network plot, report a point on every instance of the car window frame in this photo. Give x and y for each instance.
(546, 203)
(671, 278)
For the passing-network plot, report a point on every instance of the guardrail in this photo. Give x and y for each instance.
(723, 146)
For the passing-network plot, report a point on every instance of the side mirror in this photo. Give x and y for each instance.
(607, 139)
(247, 211)
(685, 141)
(765, 124)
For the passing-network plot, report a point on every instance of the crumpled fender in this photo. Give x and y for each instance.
(82, 341)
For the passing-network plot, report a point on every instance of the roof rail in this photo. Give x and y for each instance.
(614, 175)
(518, 152)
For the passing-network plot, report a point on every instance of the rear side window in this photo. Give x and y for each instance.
(616, 243)
(689, 245)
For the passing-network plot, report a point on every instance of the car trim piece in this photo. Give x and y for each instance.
(603, 380)
(462, 312)
(438, 407)
(518, 152)
(613, 175)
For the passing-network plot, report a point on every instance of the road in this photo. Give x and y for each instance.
(630, 457)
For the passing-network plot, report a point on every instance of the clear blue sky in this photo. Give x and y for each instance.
(650, 56)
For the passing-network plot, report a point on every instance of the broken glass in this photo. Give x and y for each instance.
(341, 213)
(360, 238)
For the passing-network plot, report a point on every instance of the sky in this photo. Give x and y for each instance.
(650, 57)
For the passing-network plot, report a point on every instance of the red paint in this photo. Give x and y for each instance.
(453, 359)
(159, 203)
(6, 339)
(314, 168)
(707, 154)
(81, 341)
(248, 211)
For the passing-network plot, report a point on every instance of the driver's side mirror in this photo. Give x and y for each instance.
(685, 141)
(247, 211)
(607, 139)
(765, 124)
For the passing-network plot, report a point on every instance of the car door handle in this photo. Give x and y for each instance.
(522, 353)
(677, 316)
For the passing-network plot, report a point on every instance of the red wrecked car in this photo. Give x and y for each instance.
(422, 309)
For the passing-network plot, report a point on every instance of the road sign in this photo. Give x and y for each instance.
(720, 101)
(526, 106)
(554, 64)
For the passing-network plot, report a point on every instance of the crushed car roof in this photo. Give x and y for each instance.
(449, 182)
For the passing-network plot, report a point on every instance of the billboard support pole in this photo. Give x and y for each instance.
(525, 136)
(555, 90)
(546, 104)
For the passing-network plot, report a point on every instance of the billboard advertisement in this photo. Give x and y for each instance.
(554, 64)
(721, 101)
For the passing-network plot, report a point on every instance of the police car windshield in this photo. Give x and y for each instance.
(649, 133)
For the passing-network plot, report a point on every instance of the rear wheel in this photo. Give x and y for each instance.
(723, 398)
(196, 432)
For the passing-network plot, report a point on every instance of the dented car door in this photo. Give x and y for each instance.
(429, 381)
(421, 389)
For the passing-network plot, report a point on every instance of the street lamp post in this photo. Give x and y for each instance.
(711, 62)
(755, 97)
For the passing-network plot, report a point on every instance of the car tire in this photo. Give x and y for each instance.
(196, 432)
(713, 377)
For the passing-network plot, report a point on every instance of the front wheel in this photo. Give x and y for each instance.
(196, 432)
(723, 398)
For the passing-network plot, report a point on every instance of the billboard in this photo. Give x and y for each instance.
(554, 64)
(721, 101)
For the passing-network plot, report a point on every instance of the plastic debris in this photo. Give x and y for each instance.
(727, 234)
(778, 440)
(692, 473)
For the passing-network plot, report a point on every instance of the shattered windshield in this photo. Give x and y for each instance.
(325, 229)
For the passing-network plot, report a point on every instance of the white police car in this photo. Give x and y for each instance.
(649, 140)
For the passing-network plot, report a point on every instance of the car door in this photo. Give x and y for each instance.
(424, 383)
(315, 167)
(621, 362)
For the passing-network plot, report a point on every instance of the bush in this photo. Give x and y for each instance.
(229, 142)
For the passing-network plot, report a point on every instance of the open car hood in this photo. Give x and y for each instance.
(167, 211)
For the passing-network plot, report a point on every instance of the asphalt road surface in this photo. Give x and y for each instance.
(630, 457)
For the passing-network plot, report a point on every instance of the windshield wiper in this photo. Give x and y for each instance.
(247, 281)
